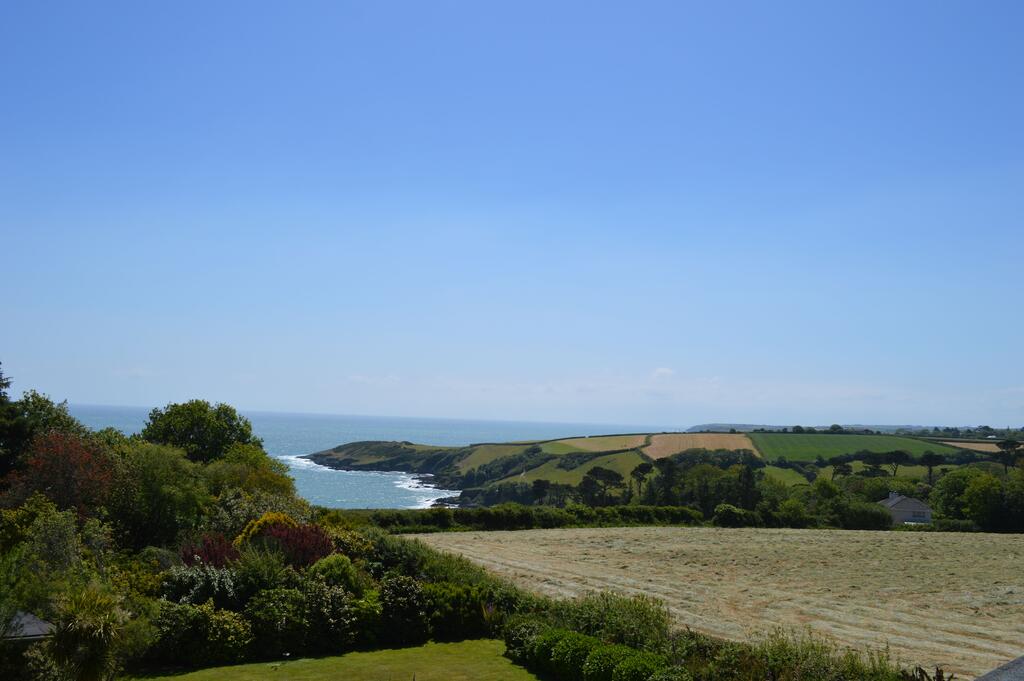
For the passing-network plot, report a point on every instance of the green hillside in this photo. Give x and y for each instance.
(809, 446)
(623, 462)
(566, 461)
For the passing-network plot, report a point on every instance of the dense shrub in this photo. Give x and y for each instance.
(519, 633)
(338, 570)
(390, 553)
(603, 660)
(727, 515)
(198, 635)
(455, 611)
(350, 543)
(259, 570)
(404, 610)
(234, 509)
(543, 647)
(257, 527)
(199, 584)
(301, 545)
(638, 621)
(671, 674)
(279, 622)
(514, 516)
(569, 655)
(638, 667)
(865, 516)
(330, 617)
(212, 548)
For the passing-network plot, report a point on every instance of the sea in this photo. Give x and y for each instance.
(288, 437)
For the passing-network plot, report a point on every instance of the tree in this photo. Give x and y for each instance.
(898, 458)
(71, 471)
(540, 490)
(1008, 454)
(946, 498)
(983, 501)
(640, 474)
(841, 468)
(46, 416)
(15, 432)
(159, 494)
(606, 480)
(668, 478)
(874, 462)
(930, 460)
(203, 430)
(835, 428)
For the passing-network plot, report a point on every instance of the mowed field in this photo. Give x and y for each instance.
(975, 446)
(949, 599)
(600, 443)
(808, 446)
(672, 443)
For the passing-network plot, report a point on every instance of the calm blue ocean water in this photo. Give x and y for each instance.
(289, 436)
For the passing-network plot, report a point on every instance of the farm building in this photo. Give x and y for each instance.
(906, 510)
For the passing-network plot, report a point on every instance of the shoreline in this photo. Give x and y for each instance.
(414, 483)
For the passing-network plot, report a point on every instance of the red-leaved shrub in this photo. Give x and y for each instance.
(213, 548)
(302, 545)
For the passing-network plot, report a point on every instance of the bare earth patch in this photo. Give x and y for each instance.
(673, 443)
(975, 446)
(949, 599)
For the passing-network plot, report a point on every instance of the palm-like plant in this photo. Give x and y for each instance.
(90, 625)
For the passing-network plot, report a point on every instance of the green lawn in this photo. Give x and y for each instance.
(466, 661)
(807, 447)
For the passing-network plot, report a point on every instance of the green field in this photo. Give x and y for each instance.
(808, 446)
(559, 447)
(486, 453)
(466, 661)
(785, 475)
(623, 462)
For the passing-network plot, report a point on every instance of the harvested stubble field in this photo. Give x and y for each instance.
(975, 446)
(668, 444)
(949, 599)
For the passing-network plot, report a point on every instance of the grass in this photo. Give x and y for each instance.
(605, 443)
(487, 453)
(623, 462)
(559, 447)
(807, 447)
(785, 475)
(465, 661)
(935, 598)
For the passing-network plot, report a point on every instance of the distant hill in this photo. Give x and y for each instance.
(490, 473)
(749, 427)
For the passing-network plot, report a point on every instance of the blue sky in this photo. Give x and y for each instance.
(608, 212)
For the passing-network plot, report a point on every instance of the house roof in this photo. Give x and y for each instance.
(26, 626)
(908, 503)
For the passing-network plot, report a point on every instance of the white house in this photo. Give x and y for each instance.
(906, 510)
